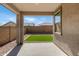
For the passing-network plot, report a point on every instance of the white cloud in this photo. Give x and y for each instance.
(12, 19)
(30, 19)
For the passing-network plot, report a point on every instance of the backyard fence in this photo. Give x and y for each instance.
(39, 29)
(7, 34)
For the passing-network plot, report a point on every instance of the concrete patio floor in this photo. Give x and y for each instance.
(40, 49)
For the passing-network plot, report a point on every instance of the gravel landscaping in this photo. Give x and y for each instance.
(4, 49)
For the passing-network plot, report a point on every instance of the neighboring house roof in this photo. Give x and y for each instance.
(10, 24)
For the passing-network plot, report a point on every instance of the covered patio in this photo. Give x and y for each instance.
(30, 9)
(33, 49)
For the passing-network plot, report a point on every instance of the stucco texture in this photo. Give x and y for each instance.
(69, 41)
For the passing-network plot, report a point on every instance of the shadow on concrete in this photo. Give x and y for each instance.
(15, 51)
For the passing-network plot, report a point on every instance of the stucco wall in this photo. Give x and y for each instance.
(69, 41)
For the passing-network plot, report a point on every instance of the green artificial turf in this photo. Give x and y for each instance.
(47, 38)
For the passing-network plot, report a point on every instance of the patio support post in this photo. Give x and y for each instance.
(18, 29)
(21, 29)
(20, 34)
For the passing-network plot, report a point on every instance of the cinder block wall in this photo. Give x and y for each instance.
(7, 34)
(12, 33)
(4, 33)
(69, 41)
(39, 30)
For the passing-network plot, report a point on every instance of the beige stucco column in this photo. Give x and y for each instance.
(19, 26)
(18, 29)
(21, 29)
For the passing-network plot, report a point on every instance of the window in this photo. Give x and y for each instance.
(58, 22)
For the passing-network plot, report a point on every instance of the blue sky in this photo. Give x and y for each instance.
(6, 16)
(57, 19)
(38, 19)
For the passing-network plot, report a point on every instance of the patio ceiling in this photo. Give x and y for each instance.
(36, 7)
